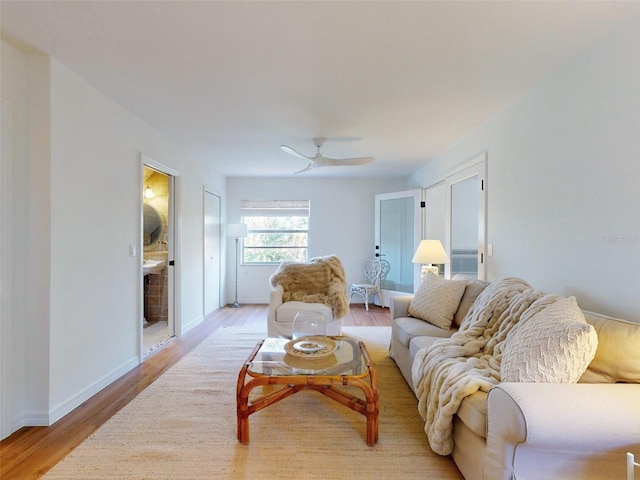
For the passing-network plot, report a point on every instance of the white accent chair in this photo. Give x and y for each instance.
(314, 286)
(371, 267)
(282, 314)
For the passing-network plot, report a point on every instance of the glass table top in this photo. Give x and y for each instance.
(272, 359)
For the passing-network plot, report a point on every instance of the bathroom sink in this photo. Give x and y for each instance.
(152, 267)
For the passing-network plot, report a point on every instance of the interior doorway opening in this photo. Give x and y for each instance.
(212, 251)
(157, 299)
(398, 228)
(466, 238)
(456, 214)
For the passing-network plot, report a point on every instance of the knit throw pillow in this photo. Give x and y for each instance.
(437, 300)
(554, 346)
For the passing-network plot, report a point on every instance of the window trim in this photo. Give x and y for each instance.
(274, 208)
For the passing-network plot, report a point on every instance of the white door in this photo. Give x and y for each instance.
(398, 231)
(466, 221)
(435, 199)
(212, 232)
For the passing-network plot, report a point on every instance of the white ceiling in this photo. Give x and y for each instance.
(232, 81)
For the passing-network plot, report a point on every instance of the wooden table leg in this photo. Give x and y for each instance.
(325, 385)
(242, 411)
(372, 428)
(242, 401)
(372, 400)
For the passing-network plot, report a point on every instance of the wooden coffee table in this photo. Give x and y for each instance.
(269, 364)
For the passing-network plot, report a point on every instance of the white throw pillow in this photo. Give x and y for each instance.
(554, 346)
(437, 300)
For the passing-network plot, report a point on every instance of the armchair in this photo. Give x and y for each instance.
(318, 285)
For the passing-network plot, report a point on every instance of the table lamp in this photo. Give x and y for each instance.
(431, 253)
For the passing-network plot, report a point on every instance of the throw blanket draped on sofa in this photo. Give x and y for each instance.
(453, 368)
(321, 280)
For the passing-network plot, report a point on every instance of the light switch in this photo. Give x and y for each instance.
(490, 249)
(132, 250)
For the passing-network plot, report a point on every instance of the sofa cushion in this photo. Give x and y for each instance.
(437, 300)
(555, 345)
(286, 312)
(472, 289)
(473, 413)
(617, 358)
(418, 343)
(406, 328)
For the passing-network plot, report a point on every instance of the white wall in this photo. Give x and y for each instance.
(564, 180)
(13, 211)
(74, 320)
(342, 223)
(25, 239)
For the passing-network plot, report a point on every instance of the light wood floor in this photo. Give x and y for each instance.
(31, 451)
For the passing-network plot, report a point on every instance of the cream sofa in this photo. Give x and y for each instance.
(540, 430)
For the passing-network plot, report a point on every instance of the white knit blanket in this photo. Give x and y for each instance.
(453, 368)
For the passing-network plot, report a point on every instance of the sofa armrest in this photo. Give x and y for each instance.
(578, 417)
(275, 300)
(400, 306)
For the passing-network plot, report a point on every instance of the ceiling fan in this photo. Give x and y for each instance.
(321, 161)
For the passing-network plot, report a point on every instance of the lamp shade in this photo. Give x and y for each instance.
(237, 230)
(430, 252)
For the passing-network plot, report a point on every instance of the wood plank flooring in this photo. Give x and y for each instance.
(31, 451)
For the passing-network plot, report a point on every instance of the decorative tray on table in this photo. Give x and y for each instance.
(310, 348)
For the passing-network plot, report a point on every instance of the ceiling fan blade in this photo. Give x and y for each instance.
(320, 161)
(344, 161)
(293, 152)
(308, 167)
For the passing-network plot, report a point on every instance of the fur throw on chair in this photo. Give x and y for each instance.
(320, 280)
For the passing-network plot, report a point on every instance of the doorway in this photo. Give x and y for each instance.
(466, 238)
(398, 231)
(212, 235)
(158, 244)
(456, 215)
(454, 211)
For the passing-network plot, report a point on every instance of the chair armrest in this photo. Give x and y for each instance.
(582, 417)
(400, 306)
(275, 300)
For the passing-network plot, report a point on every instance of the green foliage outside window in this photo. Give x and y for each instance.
(276, 236)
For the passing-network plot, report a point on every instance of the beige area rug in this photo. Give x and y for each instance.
(183, 426)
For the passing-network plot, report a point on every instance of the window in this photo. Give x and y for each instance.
(278, 230)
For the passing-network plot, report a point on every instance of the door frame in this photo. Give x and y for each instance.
(8, 336)
(477, 165)
(175, 233)
(418, 214)
(211, 191)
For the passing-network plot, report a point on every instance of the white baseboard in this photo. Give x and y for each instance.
(34, 419)
(250, 301)
(76, 400)
(192, 324)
